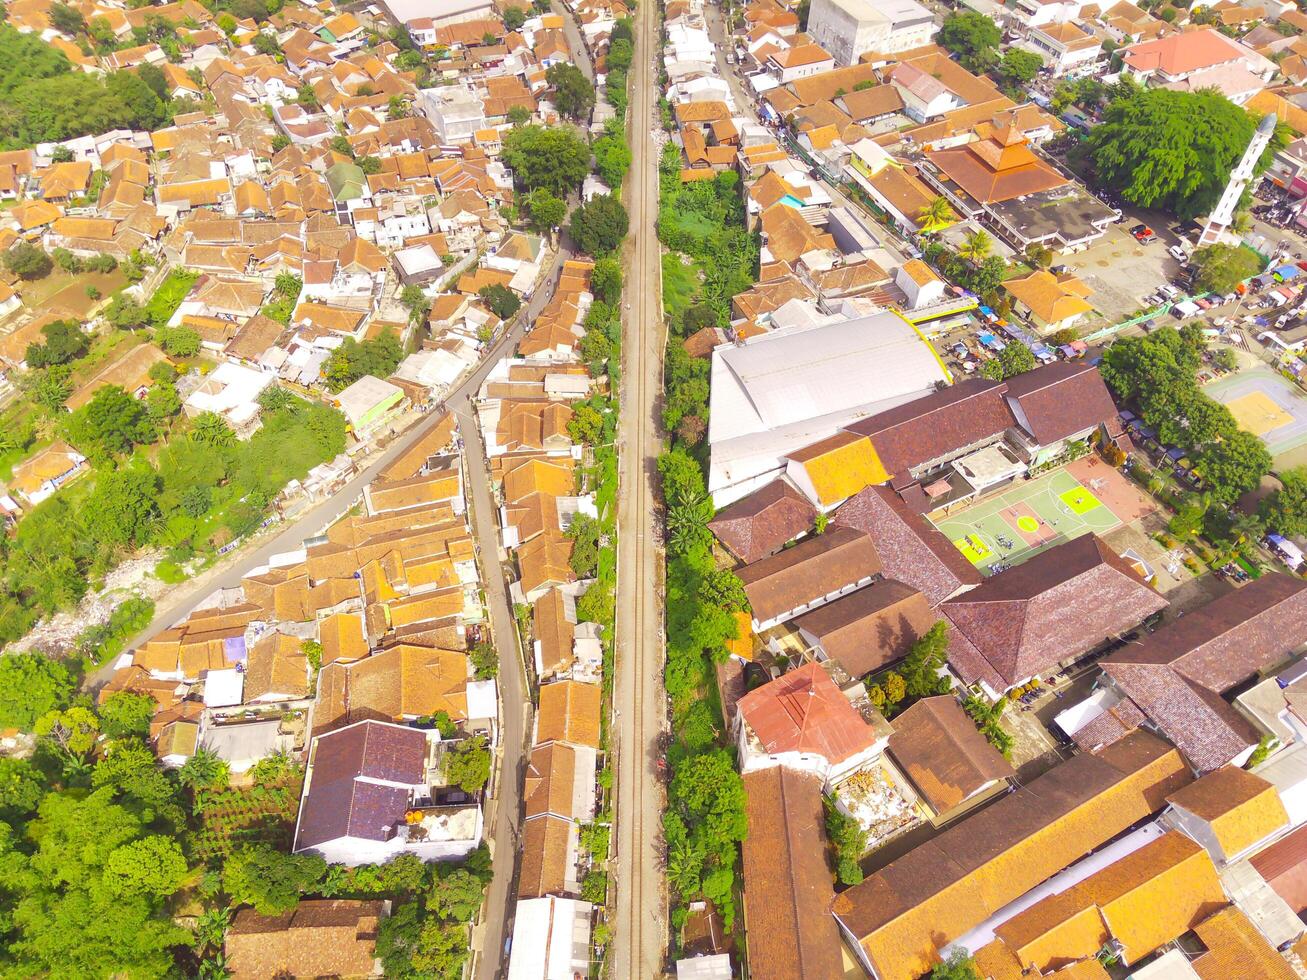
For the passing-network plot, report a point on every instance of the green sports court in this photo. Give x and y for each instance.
(1031, 515)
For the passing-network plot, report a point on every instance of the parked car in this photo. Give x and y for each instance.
(1143, 234)
(1179, 254)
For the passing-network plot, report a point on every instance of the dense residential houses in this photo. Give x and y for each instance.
(1058, 764)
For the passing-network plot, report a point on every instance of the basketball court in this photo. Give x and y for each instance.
(1270, 407)
(1087, 496)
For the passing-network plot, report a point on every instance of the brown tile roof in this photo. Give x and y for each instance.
(803, 711)
(321, 937)
(937, 425)
(997, 169)
(551, 781)
(356, 782)
(903, 914)
(787, 884)
(1236, 950)
(405, 681)
(826, 84)
(1062, 399)
(569, 712)
(1283, 865)
(1242, 808)
(816, 567)
(410, 463)
(871, 103)
(1230, 639)
(911, 550)
(554, 632)
(341, 636)
(548, 856)
(276, 665)
(1055, 607)
(869, 628)
(545, 561)
(943, 752)
(416, 491)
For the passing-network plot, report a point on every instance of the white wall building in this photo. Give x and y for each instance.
(850, 28)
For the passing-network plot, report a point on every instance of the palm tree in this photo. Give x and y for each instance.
(937, 212)
(212, 430)
(687, 524)
(976, 246)
(288, 284)
(203, 770)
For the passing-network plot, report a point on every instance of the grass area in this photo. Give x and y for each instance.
(680, 284)
(163, 304)
(65, 292)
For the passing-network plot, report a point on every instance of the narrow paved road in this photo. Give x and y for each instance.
(504, 828)
(639, 712)
(187, 596)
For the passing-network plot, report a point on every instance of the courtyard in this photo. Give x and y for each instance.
(1086, 496)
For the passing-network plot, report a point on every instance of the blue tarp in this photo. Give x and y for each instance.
(1287, 272)
(989, 340)
(986, 310)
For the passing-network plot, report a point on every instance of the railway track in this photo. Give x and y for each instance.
(640, 934)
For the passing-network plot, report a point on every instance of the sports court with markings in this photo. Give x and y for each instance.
(1086, 496)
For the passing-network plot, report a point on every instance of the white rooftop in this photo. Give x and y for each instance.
(789, 388)
(223, 688)
(704, 968)
(551, 939)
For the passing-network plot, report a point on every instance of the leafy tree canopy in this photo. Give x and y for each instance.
(973, 37)
(1172, 150)
(574, 95)
(31, 685)
(553, 157)
(1222, 267)
(599, 225)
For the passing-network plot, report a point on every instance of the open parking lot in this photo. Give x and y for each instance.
(1122, 272)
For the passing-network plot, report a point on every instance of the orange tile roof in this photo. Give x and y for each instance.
(569, 712)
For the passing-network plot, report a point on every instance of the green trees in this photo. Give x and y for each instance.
(65, 341)
(547, 210)
(956, 966)
(599, 225)
(32, 685)
(606, 279)
(352, 360)
(514, 18)
(988, 718)
(270, 880)
(467, 764)
(91, 900)
(28, 261)
(501, 300)
(178, 341)
(1222, 267)
(1285, 510)
(485, 660)
(1171, 150)
(705, 820)
(849, 841)
(1233, 466)
(110, 424)
(1013, 359)
(973, 37)
(552, 157)
(612, 156)
(587, 536)
(573, 94)
(1018, 67)
(1157, 374)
